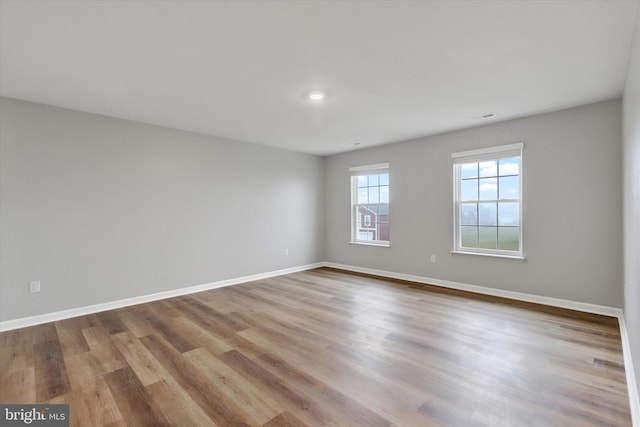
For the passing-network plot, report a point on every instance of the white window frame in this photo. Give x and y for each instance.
(480, 155)
(355, 172)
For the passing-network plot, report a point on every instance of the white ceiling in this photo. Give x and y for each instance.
(393, 70)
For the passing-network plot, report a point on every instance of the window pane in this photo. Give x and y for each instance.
(488, 189)
(489, 168)
(370, 221)
(469, 214)
(365, 235)
(510, 187)
(509, 238)
(468, 170)
(384, 194)
(469, 189)
(509, 214)
(372, 208)
(366, 209)
(509, 166)
(373, 195)
(363, 195)
(487, 237)
(469, 237)
(488, 214)
(488, 199)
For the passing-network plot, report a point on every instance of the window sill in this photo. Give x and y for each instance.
(507, 257)
(380, 244)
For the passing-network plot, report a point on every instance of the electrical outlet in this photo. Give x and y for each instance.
(34, 286)
(286, 252)
(433, 258)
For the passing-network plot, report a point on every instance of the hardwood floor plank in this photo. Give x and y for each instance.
(177, 405)
(139, 359)
(92, 406)
(85, 370)
(134, 403)
(18, 386)
(168, 331)
(112, 322)
(16, 357)
(138, 326)
(166, 309)
(285, 330)
(96, 336)
(12, 338)
(43, 333)
(260, 406)
(340, 373)
(71, 338)
(353, 412)
(220, 408)
(201, 336)
(284, 419)
(202, 310)
(302, 406)
(50, 370)
(222, 332)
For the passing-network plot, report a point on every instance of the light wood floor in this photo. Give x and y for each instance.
(323, 348)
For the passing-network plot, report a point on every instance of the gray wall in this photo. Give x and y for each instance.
(101, 209)
(631, 120)
(572, 206)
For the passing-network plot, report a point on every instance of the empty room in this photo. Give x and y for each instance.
(320, 213)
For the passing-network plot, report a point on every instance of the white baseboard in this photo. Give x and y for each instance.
(634, 393)
(96, 308)
(634, 399)
(520, 296)
(65, 314)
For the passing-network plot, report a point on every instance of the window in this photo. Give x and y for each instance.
(370, 218)
(488, 201)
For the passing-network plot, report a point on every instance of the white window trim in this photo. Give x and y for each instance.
(478, 155)
(373, 169)
(378, 243)
(491, 255)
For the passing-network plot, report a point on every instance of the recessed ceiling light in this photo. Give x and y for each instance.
(316, 95)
